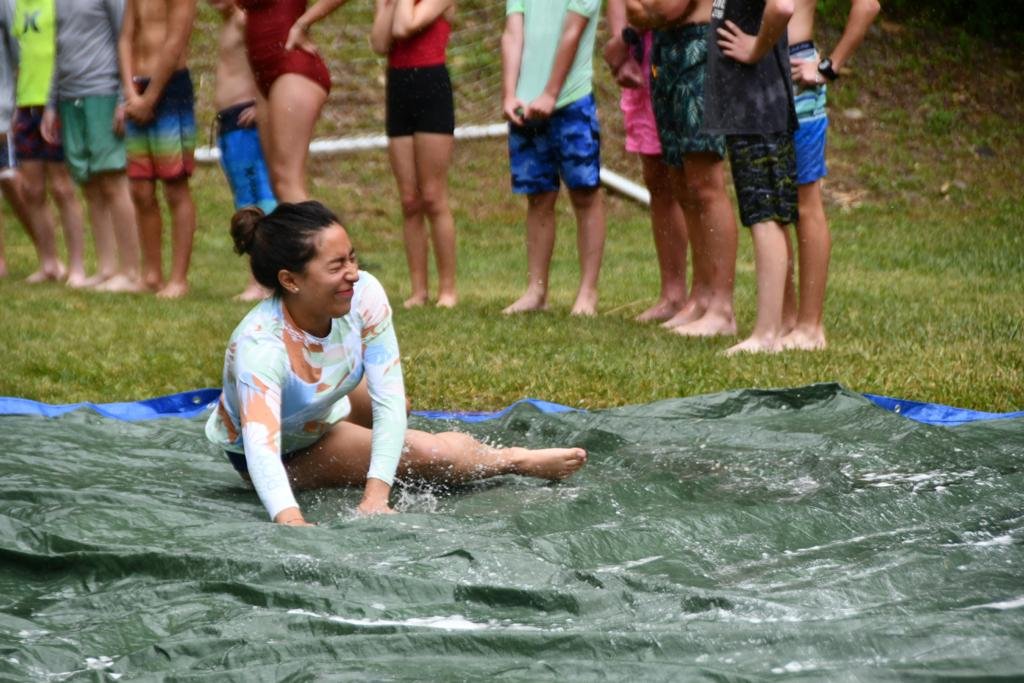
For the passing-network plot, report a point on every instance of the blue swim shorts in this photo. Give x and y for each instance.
(809, 140)
(241, 157)
(567, 146)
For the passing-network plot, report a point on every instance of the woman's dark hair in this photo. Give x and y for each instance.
(283, 239)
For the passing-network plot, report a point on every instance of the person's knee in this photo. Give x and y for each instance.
(144, 196)
(178, 193)
(584, 199)
(34, 193)
(435, 202)
(412, 205)
(543, 201)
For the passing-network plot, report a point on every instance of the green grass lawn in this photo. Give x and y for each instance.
(926, 298)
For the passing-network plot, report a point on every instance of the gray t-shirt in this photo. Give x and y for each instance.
(87, 32)
(8, 65)
(744, 99)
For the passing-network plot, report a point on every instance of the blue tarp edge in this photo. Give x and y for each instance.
(193, 403)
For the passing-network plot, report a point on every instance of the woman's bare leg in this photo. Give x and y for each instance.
(72, 220)
(402, 153)
(342, 458)
(433, 157)
(294, 106)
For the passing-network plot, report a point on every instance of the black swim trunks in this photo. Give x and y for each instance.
(764, 172)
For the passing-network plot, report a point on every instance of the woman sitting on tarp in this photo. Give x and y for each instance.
(313, 392)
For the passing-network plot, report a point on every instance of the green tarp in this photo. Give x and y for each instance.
(768, 535)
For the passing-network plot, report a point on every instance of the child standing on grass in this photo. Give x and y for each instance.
(811, 74)
(238, 137)
(547, 73)
(421, 133)
(85, 103)
(160, 132)
(41, 163)
(630, 64)
(750, 101)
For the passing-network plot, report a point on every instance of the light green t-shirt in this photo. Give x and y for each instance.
(35, 29)
(543, 22)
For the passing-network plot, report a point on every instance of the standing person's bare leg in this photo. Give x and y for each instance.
(72, 221)
(33, 192)
(705, 178)
(540, 243)
(402, 154)
(814, 253)
(117, 196)
(770, 268)
(294, 106)
(588, 204)
(102, 232)
(147, 213)
(668, 225)
(433, 157)
(183, 228)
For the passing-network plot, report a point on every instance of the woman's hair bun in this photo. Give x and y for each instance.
(243, 228)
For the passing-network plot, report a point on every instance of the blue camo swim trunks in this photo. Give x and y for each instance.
(567, 146)
(809, 138)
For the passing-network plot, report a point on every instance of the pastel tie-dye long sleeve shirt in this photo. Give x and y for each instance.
(285, 388)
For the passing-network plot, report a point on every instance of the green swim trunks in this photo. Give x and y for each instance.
(678, 69)
(90, 144)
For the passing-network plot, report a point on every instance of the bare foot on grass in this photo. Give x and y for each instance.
(526, 303)
(415, 301)
(173, 290)
(77, 280)
(254, 292)
(663, 309)
(586, 304)
(804, 339)
(547, 463)
(755, 345)
(120, 284)
(53, 272)
(689, 312)
(447, 300)
(708, 325)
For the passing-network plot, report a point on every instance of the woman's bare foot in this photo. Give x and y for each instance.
(415, 301)
(122, 283)
(805, 339)
(711, 324)
(447, 300)
(755, 345)
(173, 290)
(531, 301)
(547, 463)
(663, 309)
(254, 292)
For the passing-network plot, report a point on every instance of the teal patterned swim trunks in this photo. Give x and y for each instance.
(678, 70)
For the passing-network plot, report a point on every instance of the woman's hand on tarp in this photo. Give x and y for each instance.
(291, 517)
(375, 499)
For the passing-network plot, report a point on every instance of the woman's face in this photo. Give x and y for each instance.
(328, 280)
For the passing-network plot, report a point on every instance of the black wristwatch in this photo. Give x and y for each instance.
(826, 70)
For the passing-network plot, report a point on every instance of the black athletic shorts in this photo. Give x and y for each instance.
(419, 100)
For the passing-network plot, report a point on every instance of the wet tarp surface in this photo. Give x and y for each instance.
(759, 535)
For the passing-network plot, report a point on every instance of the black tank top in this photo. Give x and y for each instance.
(747, 98)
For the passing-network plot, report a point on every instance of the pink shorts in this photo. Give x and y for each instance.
(638, 112)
